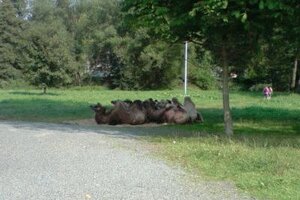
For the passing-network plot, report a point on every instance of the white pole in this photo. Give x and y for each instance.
(185, 67)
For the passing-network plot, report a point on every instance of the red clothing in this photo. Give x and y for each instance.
(266, 91)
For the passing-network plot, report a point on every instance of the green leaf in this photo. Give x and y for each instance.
(161, 10)
(244, 17)
(237, 14)
(253, 2)
(271, 4)
(225, 4)
(261, 5)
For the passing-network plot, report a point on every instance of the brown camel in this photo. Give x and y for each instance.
(101, 116)
(121, 113)
(154, 113)
(190, 107)
(175, 113)
(138, 112)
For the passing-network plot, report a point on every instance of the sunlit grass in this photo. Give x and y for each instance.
(266, 167)
(262, 158)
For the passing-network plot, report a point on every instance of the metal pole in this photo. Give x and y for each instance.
(185, 67)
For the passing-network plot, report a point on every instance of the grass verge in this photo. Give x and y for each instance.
(263, 157)
(267, 167)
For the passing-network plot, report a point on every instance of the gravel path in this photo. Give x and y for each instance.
(48, 161)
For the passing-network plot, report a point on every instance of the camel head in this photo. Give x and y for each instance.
(101, 117)
(98, 108)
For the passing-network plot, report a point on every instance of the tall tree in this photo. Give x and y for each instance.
(228, 28)
(291, 29)
(275, 59)
(21, 7)
(51, 46)
(10, 42)
(97, 38)
(146, 58)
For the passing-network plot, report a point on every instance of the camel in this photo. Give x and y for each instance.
(101, 116)
(138, 112)
(154, 113)
(175, 113)
(121, 113)
(190, 107)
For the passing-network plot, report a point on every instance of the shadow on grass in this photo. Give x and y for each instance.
(34, 93)
(43, 110)
(253, 113)
(247, 121)
(260, 93)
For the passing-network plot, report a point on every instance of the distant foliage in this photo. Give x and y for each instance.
(258, 87)
(11, 44)
(51, 59)
(149, 64)
(235, 32)
(51, 62)
(131, 45)
(202, 69)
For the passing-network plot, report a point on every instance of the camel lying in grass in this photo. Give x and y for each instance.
(138, 112)
(121, 113)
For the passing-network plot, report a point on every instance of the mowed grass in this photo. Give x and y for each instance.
(262, 158)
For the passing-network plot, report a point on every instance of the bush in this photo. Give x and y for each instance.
(14, 84)
(258, 87)
(201, 71)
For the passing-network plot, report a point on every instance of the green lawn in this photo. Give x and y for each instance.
(263, 157)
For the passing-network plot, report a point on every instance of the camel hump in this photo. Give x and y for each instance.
(188, 100)
(191, 109)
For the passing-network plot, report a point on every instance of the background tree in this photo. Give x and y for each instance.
(273, 62)
(202, 71)
(97, 38)
(120, 56)
(50, 50)
(146, 59)
(21, 7)
(11, 44)
(228, 28)
(290, 28)
(71, 42)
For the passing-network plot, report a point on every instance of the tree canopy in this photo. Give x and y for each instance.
(133, 44)
(124, 44)
(11, 43)
(230, 30)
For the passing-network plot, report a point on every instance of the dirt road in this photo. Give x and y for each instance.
(49, 161)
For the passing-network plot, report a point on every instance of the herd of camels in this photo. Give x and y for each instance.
(148, 111)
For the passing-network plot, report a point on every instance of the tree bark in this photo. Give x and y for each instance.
(293, 85)
(226, 107)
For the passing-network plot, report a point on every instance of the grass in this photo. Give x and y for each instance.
(262, 158)
(263, 167)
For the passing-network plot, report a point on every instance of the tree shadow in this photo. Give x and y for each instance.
(168, 132)
(34, 93)
(43, 110)
(260, 94)
(249, 121)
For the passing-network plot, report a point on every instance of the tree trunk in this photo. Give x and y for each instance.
(78, 79)
(226, 107)
(293, 85)
(298, 85)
